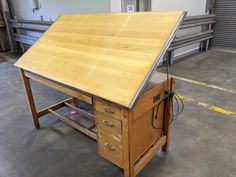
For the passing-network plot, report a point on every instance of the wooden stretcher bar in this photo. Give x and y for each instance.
(75, 125)
(52, 109)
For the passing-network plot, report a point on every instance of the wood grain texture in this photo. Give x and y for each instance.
(105, 55)
(106, 122)
(59, 87)
(110, 109)
(110, 146)
(30, 98)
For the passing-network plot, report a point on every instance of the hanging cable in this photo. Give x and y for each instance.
(175, 99)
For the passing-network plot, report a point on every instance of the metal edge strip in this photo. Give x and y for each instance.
(157, 61)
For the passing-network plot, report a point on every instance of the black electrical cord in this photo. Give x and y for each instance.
(169, 97)
(156, 116)
(179, 102)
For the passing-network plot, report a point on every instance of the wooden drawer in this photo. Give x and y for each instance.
(109, 108)
(107, 123)
(110, 147)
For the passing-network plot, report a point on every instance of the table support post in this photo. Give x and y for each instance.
(30, 98)
(167, 119)
(127, 134)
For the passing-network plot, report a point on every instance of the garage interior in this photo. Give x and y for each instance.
(202, 57)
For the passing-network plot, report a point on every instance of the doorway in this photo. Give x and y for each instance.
(136, 5)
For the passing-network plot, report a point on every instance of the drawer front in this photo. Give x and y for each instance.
(109, 109)
(107, 123)
(110, 147)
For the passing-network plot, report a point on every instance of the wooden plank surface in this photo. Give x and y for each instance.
(105, 55)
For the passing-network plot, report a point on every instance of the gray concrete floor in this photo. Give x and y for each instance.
(203, 142)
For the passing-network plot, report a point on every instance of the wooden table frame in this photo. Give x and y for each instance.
(130, 167)
(70, 103)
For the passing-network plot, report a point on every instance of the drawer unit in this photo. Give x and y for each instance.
(109, 129)
(109, 108)
(110, 147)
(107, 123)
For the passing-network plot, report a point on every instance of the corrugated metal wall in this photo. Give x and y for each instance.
(225, 27)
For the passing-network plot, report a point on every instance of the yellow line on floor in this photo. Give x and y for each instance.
(210, 107)
(206, 85)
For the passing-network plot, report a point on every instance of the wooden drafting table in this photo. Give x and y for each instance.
(108, 60)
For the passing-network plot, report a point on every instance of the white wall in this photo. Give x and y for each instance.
(193, 7)
(51, 9)
(115, 5)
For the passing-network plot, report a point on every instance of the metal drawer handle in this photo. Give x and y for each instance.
(108, 110)
(108, 124)
(109, 147)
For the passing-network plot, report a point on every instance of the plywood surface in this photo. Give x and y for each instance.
(105, 55)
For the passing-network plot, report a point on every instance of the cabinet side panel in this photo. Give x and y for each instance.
(147, 125)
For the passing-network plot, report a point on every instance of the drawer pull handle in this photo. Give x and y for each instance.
(108, 110)
(108, 124)
(109, 147)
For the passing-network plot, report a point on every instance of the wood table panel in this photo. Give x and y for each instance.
(106, 55)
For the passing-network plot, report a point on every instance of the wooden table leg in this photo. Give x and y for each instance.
(76, 102)
(128, 173)
(167, 119)
(127, 154)
(167, 126)
(30, 98)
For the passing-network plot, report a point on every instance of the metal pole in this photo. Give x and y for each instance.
(7, 17)
(4, 43)
(209, 10)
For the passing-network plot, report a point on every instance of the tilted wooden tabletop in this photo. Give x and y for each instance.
(106, 55)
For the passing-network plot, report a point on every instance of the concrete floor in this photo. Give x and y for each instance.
(203, 142)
